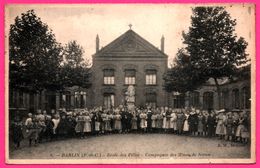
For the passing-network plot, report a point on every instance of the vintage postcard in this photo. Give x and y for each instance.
(135, 83)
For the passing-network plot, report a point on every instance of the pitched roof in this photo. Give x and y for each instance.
(130, 44)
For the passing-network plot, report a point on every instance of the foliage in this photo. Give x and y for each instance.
(211, 43)
(75, 70)
(212, 50)
(34, 54)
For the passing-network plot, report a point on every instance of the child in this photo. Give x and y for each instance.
(186, 123)
(32, 129)
(80, 125)
(229, 126)
(143, 123)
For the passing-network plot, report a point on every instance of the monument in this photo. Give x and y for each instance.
(130, 98)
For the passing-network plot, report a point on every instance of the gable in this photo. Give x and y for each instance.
(130, 44)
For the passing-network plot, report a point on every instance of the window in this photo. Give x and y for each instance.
(109, 77)
(80, 99)
(151, 99)
(195, 99)
(109, 101)
(130, 77)
(208, 100)
(225, 99)
(21, 99)
(150, 78)
(179, 101)
(68, 101)
(246, 98)
(235, 99)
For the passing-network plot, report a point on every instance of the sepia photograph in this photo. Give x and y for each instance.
(130, 83)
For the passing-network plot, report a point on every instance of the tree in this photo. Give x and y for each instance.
(34, 54)
(181, 77)
(212, 46)
(73, 54)
(75, 70)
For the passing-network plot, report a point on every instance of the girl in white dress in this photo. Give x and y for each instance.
(186, 123)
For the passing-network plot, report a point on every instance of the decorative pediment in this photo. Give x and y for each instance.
(130, 44)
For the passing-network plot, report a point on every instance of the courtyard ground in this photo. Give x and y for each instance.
(134, 146)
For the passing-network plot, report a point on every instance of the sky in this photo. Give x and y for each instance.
(83, 22)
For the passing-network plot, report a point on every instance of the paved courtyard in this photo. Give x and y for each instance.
(134, 146)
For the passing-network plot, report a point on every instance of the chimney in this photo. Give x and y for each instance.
(162, 44)
(97, 43)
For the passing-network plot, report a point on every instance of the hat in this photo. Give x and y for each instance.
(220, 111)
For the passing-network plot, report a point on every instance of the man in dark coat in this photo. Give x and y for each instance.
(129, 121)
(149, 120)
(211, 124)
(124, 118)
(193, 122)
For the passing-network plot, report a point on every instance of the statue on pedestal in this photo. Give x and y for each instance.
(130, 98)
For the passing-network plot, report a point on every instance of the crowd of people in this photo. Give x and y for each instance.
(83, 123)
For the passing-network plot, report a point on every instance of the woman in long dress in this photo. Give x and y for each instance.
(108, 127)
(245, 132)
(104, 121)
(56, 121)
(173, 124)
(241, 127)
(168, 119)
(180, 120)
(154, 120)
(186, 123)
(159, 121)
(87, 125)
(201, 122)
(220, 129)
(79, 129)
(164, 119)
(117, 121)
(134, 122)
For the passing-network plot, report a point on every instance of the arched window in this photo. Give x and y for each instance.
(179, 101)
(151, 99)
(224, 98)
(195, 99)
(246, 98)
(208, 100)
(235, 99)
(109, 100)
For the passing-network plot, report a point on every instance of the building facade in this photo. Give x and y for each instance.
(235, 95)
(129, 60)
